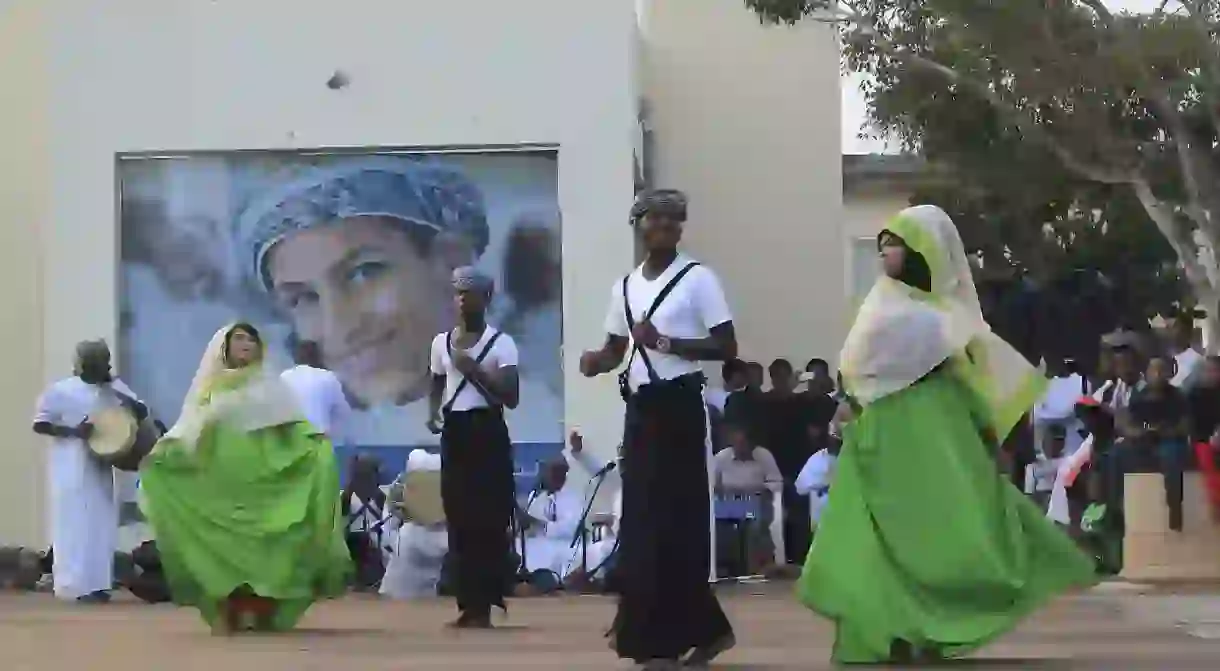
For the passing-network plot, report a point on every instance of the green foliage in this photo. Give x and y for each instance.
(1049, 115)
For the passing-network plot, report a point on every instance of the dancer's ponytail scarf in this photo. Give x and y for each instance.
(902, 333)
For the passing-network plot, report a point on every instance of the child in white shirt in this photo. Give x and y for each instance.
(1040, 476)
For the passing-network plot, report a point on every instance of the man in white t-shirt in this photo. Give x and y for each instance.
(318, 391)
(474, 379)
(1186, 358)
(667, 607)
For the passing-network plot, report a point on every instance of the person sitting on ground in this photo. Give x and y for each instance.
(552, 518)
(590, 565)
(363, 505)
(418, 551)
(744, 470)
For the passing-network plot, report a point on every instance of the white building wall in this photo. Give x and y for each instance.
(747, 121)
(87, 81)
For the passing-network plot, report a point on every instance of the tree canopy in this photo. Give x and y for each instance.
(1078, 134)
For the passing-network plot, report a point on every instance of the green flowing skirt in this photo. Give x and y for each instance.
(923, 541)
(255, 511)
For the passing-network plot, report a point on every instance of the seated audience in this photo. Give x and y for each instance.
(553, 514)
(363, 505)
(417, 551)
(1158, 428)
(744, 470)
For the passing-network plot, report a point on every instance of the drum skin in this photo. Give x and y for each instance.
(123, 447)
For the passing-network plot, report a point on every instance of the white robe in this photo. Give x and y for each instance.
(549, 545)
(814, 478)
(600, 550)
(413, 570)
(84, 518)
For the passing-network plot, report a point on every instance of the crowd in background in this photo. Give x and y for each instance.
(770, 427)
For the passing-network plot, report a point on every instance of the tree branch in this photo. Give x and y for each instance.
(1016, 113)
(1182, 245)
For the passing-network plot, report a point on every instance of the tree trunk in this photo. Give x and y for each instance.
(1210, 303)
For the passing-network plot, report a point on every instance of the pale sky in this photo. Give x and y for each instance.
(855, 111)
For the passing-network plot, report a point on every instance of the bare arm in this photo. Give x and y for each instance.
(772, 478)
(713, 310)
(607, 357)
(56, 430)
(720, 345)
(47, 418)
(436, 391)
(504, 384)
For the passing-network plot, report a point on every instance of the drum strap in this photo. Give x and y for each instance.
(132, 405)
(491, 399)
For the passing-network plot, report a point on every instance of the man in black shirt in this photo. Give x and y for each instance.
(787, 416)
(1157, 426)
(743, 407)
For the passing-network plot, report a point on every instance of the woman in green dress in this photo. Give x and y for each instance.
(243, 496)
(924, 550)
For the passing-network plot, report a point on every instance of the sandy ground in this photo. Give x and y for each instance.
(1110, 630)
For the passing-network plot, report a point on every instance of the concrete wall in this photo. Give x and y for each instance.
(24, 205)
(88, 81)
(746, 121)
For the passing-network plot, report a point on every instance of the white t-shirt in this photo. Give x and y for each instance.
(320, 396)
(692, 309)
(1186, 360)
(502, 355)
(1040, 476)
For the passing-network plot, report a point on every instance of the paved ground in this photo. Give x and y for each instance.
(1111, 631)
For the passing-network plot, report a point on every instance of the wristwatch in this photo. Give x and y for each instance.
(663, 344)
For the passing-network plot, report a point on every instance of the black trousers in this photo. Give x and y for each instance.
(666, 606)
(798, 527)
(1169, 457)
(477, 491)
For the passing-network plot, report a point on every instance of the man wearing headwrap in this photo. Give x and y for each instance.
(359, 254)
(667, 608)
(83, 517)
(474, 379)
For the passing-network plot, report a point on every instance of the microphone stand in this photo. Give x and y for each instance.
(582, 528)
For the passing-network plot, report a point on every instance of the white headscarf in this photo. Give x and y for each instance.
(902, 333)
(261, 402)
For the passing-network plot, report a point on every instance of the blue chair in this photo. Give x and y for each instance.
(740, 511)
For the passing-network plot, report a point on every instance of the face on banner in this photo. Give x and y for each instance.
(353, 252)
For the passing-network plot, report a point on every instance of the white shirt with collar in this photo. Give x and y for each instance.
(320, 396)
(694, 307)
(503, 354)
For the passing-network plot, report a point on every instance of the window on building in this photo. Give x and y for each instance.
(865, 267)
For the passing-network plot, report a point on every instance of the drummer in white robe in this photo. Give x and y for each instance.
(417, 551)
(83, 515)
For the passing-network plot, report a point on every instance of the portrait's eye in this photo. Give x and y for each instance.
(366, 271)
(298, 299)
